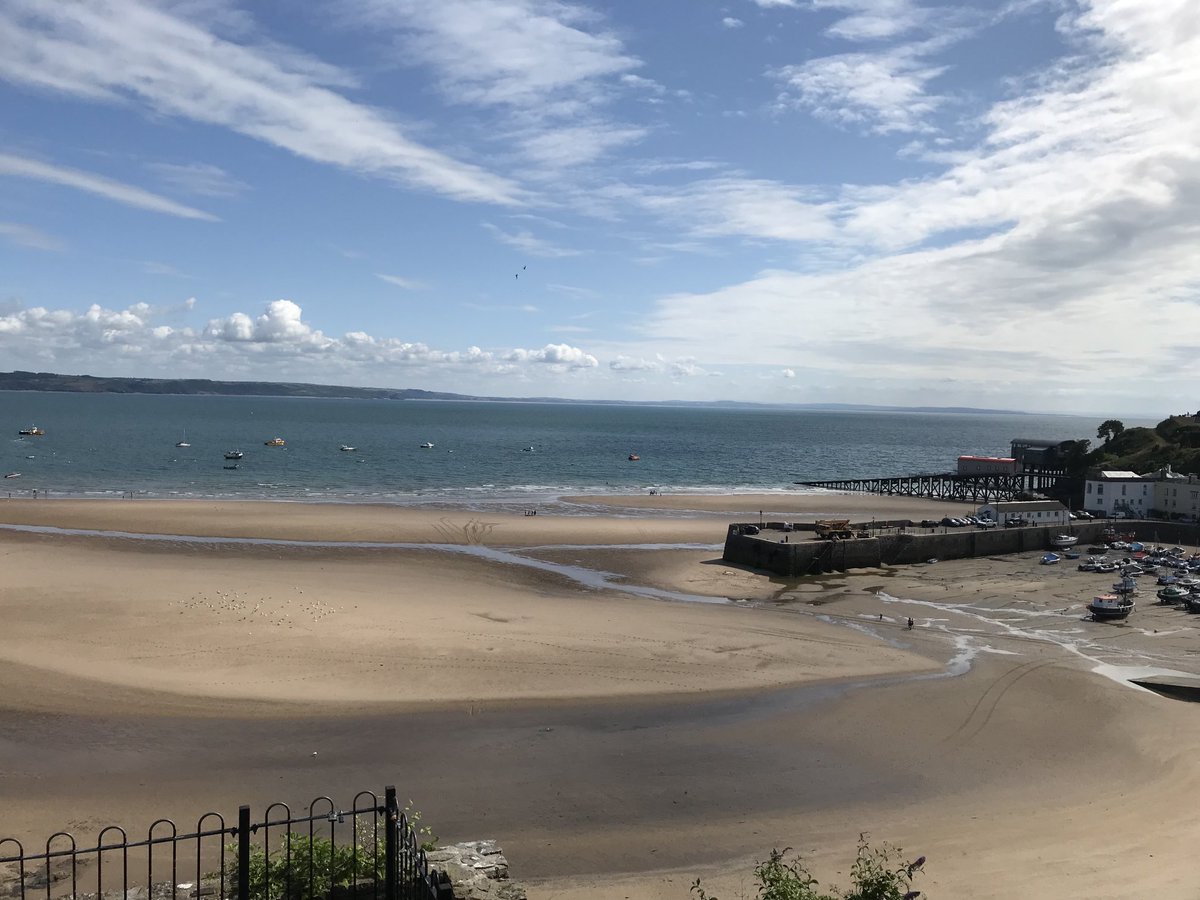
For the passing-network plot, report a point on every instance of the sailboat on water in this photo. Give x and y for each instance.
(184, 441)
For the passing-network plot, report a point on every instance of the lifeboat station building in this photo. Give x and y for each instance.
(1028, 512)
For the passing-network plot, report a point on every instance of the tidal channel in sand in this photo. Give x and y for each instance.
(616, 744)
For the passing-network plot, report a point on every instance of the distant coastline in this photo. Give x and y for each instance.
(95, 384)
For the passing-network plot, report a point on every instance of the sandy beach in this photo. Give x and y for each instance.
(596, 689)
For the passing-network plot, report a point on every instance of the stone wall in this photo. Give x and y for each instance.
(793, 554)
(477, 871)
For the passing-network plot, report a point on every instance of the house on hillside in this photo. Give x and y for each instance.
(1127, 495)
(1030, 512)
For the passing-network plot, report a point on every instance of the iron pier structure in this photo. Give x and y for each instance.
(979, 488)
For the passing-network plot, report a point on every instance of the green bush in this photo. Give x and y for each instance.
(877, 874)
(285, 873)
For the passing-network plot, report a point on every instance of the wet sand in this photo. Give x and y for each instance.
(615, 744)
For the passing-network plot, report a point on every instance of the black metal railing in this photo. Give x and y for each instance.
(372, 850)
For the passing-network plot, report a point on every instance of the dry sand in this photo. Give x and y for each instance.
(617, 745)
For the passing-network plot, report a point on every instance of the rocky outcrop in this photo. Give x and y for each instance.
(477, 871)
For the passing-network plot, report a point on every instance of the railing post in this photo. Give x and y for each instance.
(391, 844)
(243, 885)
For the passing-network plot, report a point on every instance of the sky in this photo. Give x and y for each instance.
(991, 204)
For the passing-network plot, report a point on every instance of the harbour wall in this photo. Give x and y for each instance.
(777, 551)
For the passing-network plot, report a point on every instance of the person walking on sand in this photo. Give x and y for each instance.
(910, 623)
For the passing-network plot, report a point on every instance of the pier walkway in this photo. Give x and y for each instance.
(981, 488)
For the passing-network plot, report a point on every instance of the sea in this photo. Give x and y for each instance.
(483, 453)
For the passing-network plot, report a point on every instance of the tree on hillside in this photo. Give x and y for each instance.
(1109, 429)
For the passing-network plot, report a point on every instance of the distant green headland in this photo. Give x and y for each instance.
(94, 384)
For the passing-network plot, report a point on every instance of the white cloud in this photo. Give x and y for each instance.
(407, 283)
(885, 92)
(200, 179)
(28, 236)
(150, 267)
(545, 68)
(91, 183)
(788, 373)
(731, 22)
(872, 20)
(275, 345)
(562, 355)
(126, 50)
(514, 53)
(528, 243)
(733, 205)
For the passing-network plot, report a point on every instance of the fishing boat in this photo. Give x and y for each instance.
(1125, 586)
(428, 445)
(275, 442)
(633, 457)
(1172, 594)
(1110, 607)
(32, 431)
(1065, 540)
(234, 454)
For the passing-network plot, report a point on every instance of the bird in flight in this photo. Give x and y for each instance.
(518, 275)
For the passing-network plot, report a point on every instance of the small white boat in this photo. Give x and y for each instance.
(1125, 586)
(428, 445)
(234, 454)
(182, 444)
(346, 448)
(32, 431)
(13, 475)
(526, 449)
(1065, 540)
(1110, 607)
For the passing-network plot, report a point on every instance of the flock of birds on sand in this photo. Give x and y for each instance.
(265, 610)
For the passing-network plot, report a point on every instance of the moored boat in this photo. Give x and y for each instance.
(1125, 586)
(633, 457)
(1172, 594)
(1110, 607)
(234, 454)
(32, 431)
(428, 445)
(1065, 540)
(275, 442)
(1050, 559)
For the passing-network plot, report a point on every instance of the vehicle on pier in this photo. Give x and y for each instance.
(834, 529)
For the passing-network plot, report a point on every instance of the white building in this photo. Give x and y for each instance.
(1031, 512)
(1128, 495)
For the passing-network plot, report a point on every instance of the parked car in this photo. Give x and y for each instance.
(929, 523)
(1014, 522)
(986, 523)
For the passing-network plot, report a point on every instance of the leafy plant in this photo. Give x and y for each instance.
(424, 833)
(308, 868)
(878, 873)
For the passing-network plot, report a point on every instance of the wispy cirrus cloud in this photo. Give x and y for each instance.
(28, 236)
(132, 51)
(1077, 207)
(873, 20)
(399, 281)
(545, 70)
(199, 179)
(89, 182)
(883, 92)
(528, 242)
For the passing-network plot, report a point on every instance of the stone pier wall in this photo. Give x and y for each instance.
(793, 554)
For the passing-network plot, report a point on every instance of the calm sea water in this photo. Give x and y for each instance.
(109, 444)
